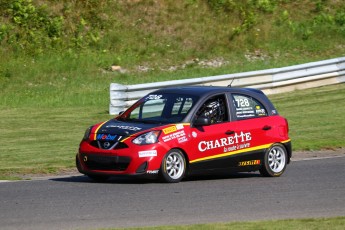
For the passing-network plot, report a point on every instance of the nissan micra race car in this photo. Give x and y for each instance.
(174, 132)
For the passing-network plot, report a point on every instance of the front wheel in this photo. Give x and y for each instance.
(173, 167)
(275, 161)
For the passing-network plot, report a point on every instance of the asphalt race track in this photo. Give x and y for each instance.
(311, 188)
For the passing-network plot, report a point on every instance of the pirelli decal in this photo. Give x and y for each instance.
(170, 129)
(249, 163)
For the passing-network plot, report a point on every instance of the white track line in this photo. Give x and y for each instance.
(315, 158)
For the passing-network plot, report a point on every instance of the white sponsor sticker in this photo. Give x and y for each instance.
(179, 126)
(173, 136)
(149, 153)
(152, 171)
(182, 139)
(125, 127)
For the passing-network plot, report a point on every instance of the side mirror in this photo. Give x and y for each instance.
(202, 121)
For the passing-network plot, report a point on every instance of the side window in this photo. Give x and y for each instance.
(182, 105)
(248, 107)
(215, 109)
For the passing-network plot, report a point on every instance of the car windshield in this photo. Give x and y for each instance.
(160, 108)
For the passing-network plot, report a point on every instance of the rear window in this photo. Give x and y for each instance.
(248, 107)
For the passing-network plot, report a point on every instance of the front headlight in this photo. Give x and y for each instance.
(87, 133)
(147, 138)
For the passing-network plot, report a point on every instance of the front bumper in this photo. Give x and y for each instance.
(108, 163)
(91, 160)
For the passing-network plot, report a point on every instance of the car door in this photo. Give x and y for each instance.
(250, 119)
(234, 142)
(208, 142)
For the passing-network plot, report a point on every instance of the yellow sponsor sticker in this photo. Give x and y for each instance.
(170, 129)
(249, 163)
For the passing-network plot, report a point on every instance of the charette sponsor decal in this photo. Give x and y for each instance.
(261, 147)
(231, 143)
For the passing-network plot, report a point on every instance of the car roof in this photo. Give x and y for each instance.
(206, 90)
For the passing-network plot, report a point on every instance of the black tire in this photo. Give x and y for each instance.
(275, 161)
(173, 167)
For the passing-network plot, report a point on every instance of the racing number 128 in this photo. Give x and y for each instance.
(242, 102)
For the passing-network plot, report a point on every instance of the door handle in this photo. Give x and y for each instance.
(266, 127)
(229, 132)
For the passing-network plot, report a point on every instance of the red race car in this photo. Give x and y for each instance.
(174, 132)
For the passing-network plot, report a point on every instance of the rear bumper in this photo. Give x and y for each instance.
(288, 147)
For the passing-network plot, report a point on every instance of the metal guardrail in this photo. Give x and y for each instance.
(270, 81)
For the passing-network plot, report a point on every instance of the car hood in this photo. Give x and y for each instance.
(122, 128)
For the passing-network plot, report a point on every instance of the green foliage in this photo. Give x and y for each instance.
(136, 28)
(226, 5)
(340, 17)
(4, 31)
(248, 21)
(267, 6)
(31, 28)
(322, 15)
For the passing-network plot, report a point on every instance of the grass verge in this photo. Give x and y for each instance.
(336, 223)
(315, 116)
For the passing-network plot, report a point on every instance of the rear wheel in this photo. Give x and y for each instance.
(173, 167)
(275, 161)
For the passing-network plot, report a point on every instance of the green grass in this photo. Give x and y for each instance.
(337, 223)
(45, 139)
(316, 116)
(79, 81)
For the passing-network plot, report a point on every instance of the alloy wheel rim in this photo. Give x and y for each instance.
(276, 159)
(174, 165)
